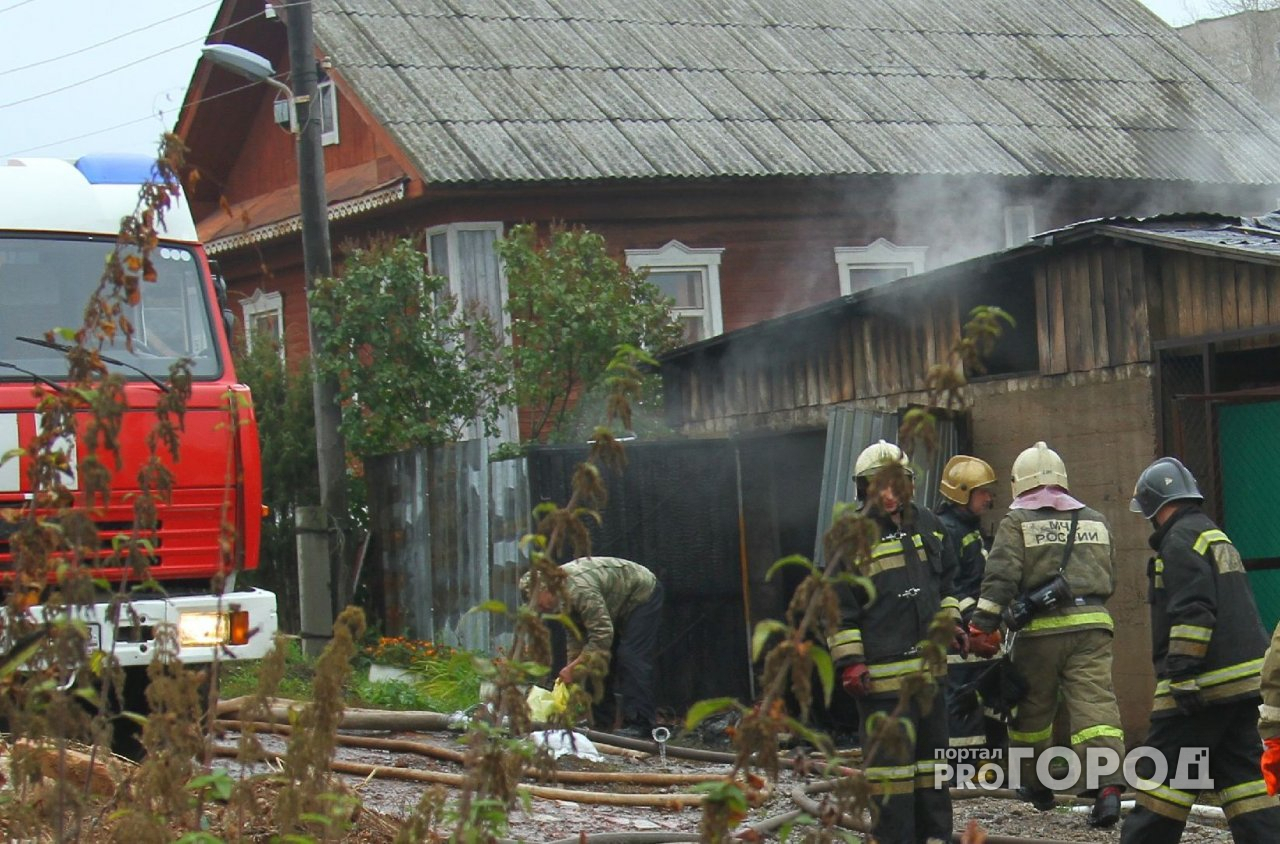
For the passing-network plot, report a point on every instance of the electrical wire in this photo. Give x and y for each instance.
(135, 62)
(108, 40)
(136, 120)
(14, 6)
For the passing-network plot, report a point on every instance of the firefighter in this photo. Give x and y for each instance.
(1269, 715)
(1049, 572)
(968, 486)
(878, 645)
(1207, 643)
(617, 604)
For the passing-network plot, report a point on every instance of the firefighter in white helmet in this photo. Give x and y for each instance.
(877, 646)
(1207, 645)
(968, 490)
(1050, 570)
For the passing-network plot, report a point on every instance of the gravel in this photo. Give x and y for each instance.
(548, 820)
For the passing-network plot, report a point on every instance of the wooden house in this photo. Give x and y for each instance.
(758, 157)
(1134, 338)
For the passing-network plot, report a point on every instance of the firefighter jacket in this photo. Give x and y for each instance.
(1205, 630)
(1028, 552)
(963, 528)
(602, 593)
(912, 569)
(1269, 712)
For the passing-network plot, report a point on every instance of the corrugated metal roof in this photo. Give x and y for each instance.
(533, 90)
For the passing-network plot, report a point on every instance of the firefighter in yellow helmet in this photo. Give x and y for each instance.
(877, 646)
(1207, 645)
(968, 490)
(1050, 570)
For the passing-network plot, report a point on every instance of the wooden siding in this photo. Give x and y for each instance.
(818, 361)
(1091, 309)
(1202, 296)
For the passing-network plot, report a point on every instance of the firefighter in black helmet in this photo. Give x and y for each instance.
(968, 487)
(877, 646)
(1207, 644)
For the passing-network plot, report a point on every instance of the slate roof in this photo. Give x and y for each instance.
(1257, 237)
(550, 90)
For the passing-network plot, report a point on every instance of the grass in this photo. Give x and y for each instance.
(443, 680)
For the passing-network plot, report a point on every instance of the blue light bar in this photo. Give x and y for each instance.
(117, 168)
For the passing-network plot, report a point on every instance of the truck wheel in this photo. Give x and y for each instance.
(126, 734)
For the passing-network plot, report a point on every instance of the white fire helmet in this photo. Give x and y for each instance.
(1038, 466)
(878, 455)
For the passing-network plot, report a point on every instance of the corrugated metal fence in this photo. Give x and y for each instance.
(447, 524)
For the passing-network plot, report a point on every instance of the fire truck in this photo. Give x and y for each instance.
(59, 221)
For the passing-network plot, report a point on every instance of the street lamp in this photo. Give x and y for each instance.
(252, 66)
(321, 575)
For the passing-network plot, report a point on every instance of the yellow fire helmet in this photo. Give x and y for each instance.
(962, 475)
(1038, 466)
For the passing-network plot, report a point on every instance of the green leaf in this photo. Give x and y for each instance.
(495, 606)
(704, 709)
(826, 671)
(792, 560)
(764, 630)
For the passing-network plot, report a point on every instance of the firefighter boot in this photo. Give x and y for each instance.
(1106, 807)
(1037, 795)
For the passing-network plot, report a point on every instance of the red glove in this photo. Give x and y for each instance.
(960, 642)
(983, 644)
(1271, 764)
(856, 679)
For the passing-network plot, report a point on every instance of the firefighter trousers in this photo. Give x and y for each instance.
(1072, 667)
(967, 719)
(911, 808)
(1229, 731)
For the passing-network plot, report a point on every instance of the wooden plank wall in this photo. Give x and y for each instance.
(1202, 296)
(823, 360)
(1091, 308)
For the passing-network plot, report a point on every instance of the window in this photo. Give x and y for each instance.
(692, 278)
(328, 94)
(1019, 225)
(264, 319)
(465, 254)
(864, 267)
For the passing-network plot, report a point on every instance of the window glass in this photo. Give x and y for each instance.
(46, 283)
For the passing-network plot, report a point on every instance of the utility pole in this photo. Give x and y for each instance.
(318, 263)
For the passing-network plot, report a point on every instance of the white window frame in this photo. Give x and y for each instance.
(450, 231)
(1019, 225)
(676, 256)
(880, 254)
(508, 420)
(260, 303)
(327, 94)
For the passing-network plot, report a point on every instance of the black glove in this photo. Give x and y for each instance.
(1187, 697)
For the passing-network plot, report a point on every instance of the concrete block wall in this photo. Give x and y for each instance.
(1102, 424)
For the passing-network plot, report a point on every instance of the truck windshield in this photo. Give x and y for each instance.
(46, 282)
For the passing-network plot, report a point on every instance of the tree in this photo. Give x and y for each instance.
(413, 368)
(286, 433)
(1242, 44)
(571, 307)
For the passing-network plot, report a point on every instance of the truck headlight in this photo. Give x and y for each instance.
(210, 629)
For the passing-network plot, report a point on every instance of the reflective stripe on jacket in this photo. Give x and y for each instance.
(1204, 623)
(912, 572)
(1028, 552)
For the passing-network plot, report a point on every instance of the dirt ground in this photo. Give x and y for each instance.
(554, 820)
